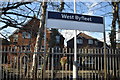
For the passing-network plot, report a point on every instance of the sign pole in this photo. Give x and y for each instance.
(76, 22)
(75, 49)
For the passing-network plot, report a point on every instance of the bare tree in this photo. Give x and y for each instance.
(39, 38)
(15, 14)
(114, 21)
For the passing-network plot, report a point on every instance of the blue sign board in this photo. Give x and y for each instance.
(75, 17)
(74, 21)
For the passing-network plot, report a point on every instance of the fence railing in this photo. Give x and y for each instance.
(16, 62)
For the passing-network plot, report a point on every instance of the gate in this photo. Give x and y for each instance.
(16, 63)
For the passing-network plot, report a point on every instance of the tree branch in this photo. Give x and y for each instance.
(16, 6)
(17, 14)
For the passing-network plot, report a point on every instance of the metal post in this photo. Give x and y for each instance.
(75, 49)
(105, 59)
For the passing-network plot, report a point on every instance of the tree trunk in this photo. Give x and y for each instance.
(61, 6)
(113, 28)
(39, 39)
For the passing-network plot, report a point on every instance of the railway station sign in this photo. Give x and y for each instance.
(72, 21)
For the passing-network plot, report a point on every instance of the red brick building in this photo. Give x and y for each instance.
(26, 36)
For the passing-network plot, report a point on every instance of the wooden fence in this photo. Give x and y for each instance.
(16, 63)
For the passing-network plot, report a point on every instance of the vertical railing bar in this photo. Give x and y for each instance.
(117, 65)
(98, 62)
(20, 64)
(107, 60)
(48, 64)
(89, 66)
(38, 66)
(91, 58)
(115, 62)
(101, 60)
(110, 64)
(85, 59)
(14, 71)
(69, 63)
(59, 61)
(79, 63)
(4, 62)
(55, 62)
(52, 64)
(11, 64)
(95, 63)
(17, 77)
(82, 63)
(27, 66)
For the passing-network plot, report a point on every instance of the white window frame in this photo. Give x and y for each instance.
(96, 42)
(26, 35)
(90, 41)
(15, 38)
(57, 39)
(79, 41)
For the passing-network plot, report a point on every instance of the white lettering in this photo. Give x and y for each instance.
(65, 16)
(76, 17)
(82, 18)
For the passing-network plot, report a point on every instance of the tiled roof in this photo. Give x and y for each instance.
(31, 26)
(85, 36)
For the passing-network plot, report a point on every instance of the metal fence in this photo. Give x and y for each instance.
(16, 63)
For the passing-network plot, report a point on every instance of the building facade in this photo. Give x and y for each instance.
(85, 41)
(26, 36)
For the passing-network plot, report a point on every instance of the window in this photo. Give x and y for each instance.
(96, 43)
(15, 38)
(42, 48)
(79, 41)
(57, 39)
(26, 35)
(90, 41)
